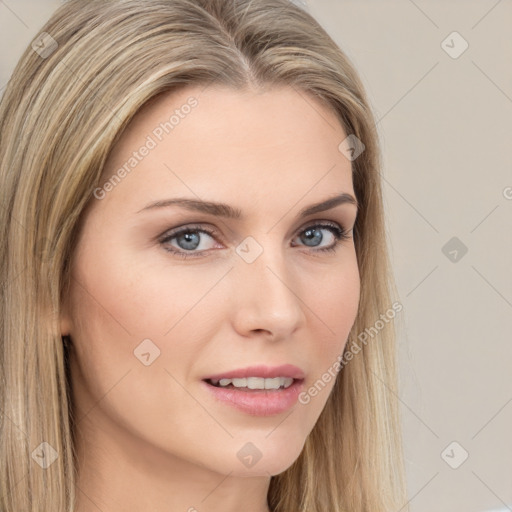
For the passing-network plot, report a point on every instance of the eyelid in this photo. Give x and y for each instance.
(174, 232)
(212, 231)
(342, 234)
(190, 226)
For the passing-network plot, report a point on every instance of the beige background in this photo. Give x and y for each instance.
(445, 125)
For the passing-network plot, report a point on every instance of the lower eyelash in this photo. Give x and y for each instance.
(340, 235)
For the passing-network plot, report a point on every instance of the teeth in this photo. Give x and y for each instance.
(274, 383)
(256, 382)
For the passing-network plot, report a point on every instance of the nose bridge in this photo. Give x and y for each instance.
(265, 296)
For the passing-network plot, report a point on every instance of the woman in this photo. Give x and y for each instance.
(195, 252)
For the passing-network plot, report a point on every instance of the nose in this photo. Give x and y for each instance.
(266, 296)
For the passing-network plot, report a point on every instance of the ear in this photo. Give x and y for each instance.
(65, 321)
(65, 318)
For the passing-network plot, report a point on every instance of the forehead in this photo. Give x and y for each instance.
(218, 141)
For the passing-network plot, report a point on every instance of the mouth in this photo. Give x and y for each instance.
(256, 396)
(254, 384)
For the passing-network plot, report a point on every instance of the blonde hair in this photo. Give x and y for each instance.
(61, 114)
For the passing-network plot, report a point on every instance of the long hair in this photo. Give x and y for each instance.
(73, 92)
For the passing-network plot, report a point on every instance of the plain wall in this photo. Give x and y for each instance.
(445, 127)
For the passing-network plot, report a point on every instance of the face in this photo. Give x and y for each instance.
(166, 296)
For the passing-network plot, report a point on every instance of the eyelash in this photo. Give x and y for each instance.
(338, 231)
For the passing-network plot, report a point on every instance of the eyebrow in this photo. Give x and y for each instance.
(227, 211)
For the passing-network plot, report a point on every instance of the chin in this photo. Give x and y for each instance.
(266, 458)
(270, 468)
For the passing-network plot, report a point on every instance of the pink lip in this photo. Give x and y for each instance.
(267, 372)
(265, 402)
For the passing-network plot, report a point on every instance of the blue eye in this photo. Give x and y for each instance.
(190, 238)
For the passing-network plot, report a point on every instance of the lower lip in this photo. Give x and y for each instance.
(264, 402)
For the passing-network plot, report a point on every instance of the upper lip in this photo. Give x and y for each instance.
(268, 372)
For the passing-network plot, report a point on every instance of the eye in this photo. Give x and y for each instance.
(190, 241)
(312, 236)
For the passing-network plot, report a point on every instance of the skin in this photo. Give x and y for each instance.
(151, 437)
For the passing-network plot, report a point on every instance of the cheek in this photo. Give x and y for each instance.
(132, 294)
(128, 311)
(334, 304)
(121, 317)
(336, 298)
